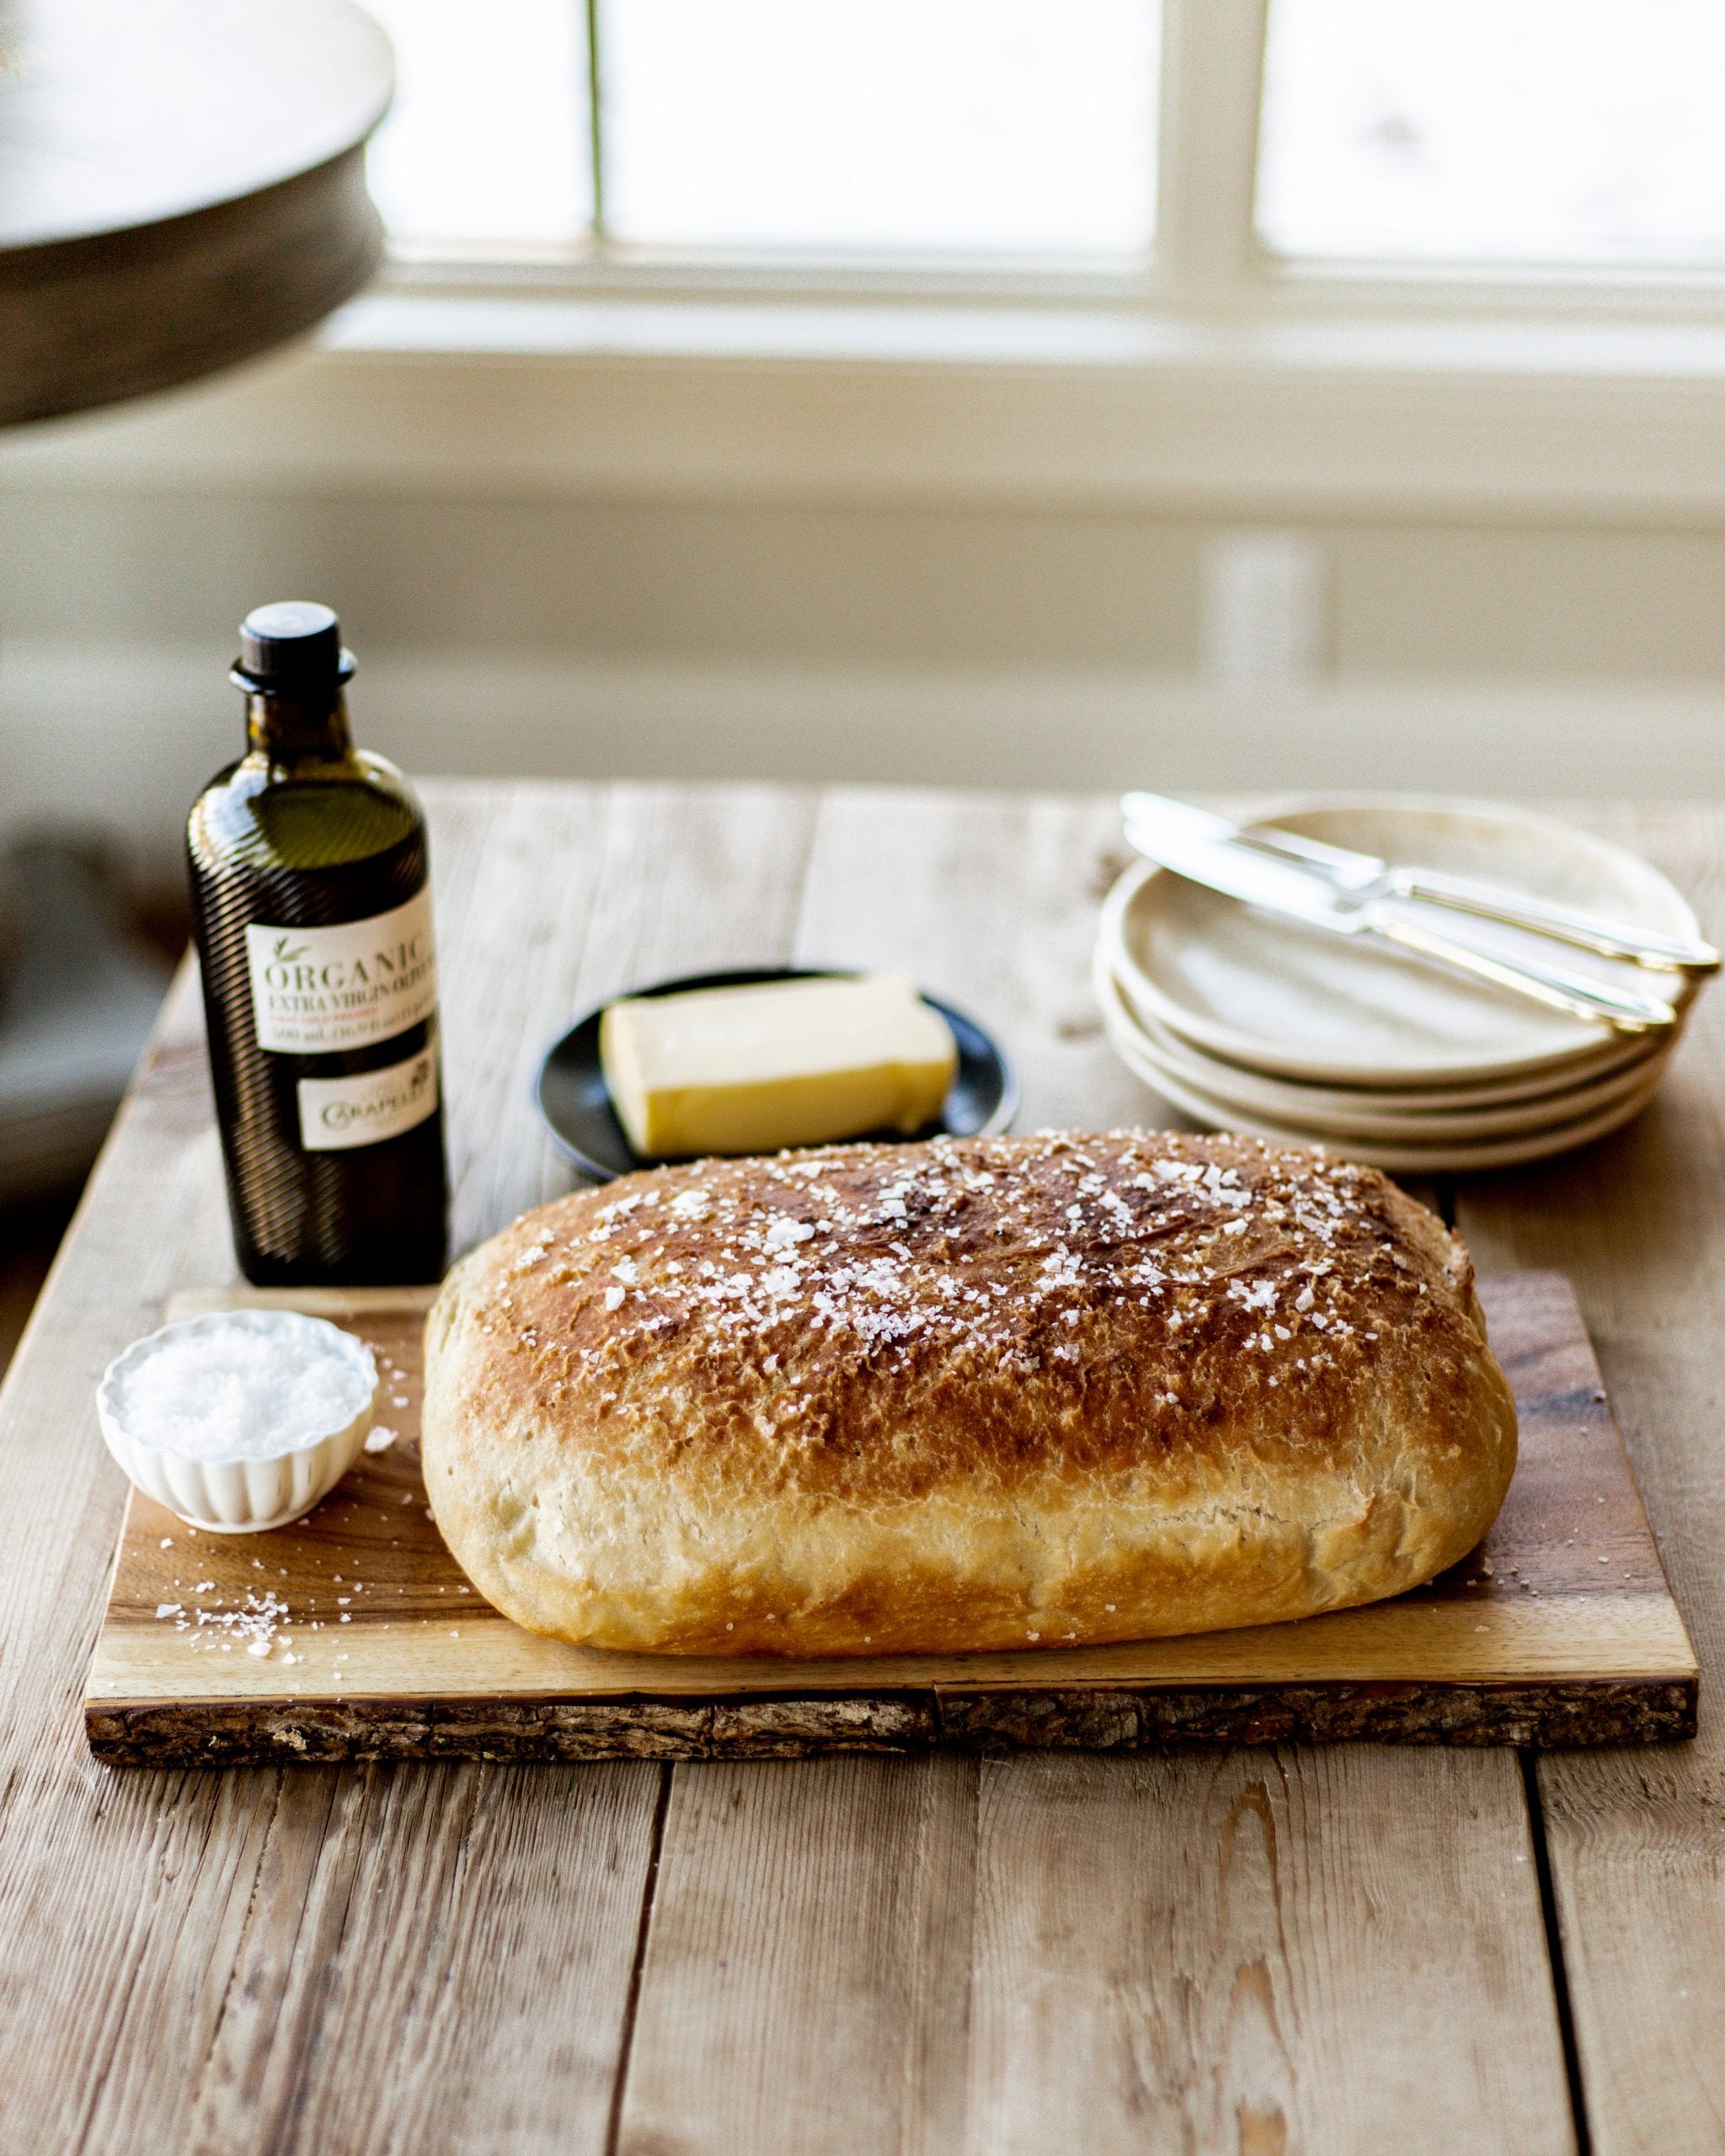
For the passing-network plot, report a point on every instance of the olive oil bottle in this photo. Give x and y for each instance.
(312, 914)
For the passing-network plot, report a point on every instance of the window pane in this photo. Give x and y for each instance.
(487, 146)
(960, 125)
(1491, 131)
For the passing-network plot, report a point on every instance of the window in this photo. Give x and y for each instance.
(1241, 257)
(485, 152)
(1538, 131)
(853, 128)
(937, 140)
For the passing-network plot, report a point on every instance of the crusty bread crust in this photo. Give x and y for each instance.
(966, 1394)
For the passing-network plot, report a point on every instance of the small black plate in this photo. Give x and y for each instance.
(575, 1102)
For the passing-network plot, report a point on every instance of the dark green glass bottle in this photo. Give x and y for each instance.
(312, 909)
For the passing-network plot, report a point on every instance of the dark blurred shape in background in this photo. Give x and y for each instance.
(84, 963)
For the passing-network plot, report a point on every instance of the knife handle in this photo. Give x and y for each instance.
(1625, 1009)
(1646, 947)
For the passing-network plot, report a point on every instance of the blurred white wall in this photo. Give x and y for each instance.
(1021, 637)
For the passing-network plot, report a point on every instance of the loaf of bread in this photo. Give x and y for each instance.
(981, 1394)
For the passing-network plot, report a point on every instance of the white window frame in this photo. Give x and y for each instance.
(1207, 256)
(1213, 380)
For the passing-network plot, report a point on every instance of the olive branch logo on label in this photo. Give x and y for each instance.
(286, 957)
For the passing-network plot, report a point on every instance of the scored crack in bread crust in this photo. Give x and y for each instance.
(969, 1394)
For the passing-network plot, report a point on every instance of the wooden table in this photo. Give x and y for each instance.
(1337, 1951)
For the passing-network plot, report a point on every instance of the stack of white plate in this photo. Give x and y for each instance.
(1245, 1021)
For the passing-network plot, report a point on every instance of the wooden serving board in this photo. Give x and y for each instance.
(1559, 1630)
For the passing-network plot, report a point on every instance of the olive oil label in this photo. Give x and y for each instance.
(336, 1114)
(317, 990)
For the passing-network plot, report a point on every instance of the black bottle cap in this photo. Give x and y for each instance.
(292, 649)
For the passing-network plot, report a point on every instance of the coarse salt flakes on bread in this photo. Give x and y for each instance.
(971, 1394)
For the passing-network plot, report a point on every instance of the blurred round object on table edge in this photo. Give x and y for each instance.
(182, 186)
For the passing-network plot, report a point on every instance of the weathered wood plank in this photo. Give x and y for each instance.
(493, 851)
(990, 899)
(1636, 1854)
(806, 1980)
(459, 1943)
(1238, 1951)
(1141, 1974)
(550, 899)
(1259, 1952)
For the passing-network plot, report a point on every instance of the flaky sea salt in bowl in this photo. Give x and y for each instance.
(240, 1420)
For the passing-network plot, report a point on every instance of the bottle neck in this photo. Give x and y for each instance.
(299, 729)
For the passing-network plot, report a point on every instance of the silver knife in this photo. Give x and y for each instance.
(1281, 887)
(1365, 877)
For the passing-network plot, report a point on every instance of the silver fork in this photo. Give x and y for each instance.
(1363, 876)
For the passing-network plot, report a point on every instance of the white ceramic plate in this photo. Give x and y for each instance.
(1400, 1159)
(1282, 1095)
(1277, 996)
(1359, 1114)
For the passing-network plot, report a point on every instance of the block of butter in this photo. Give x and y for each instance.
(787, 1063)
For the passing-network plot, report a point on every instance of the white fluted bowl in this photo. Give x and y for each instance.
(239, 1496)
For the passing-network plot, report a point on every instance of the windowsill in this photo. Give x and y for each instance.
(1275, 413)
(404, 324)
